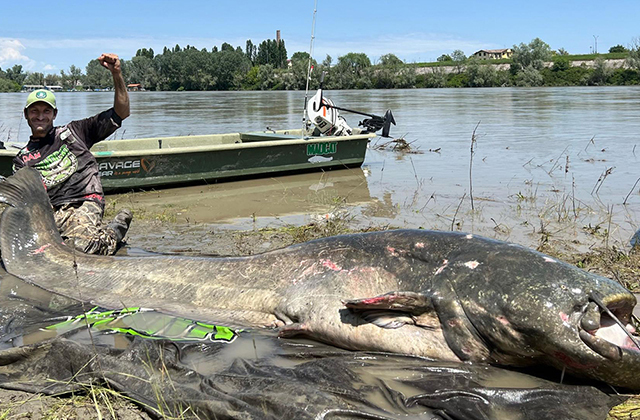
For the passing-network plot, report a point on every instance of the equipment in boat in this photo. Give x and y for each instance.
(326, 117)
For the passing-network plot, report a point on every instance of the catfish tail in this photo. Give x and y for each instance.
(27, 226)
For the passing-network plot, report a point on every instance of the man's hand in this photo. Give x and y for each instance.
(111, 62)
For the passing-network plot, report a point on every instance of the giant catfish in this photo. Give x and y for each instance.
(441, 295)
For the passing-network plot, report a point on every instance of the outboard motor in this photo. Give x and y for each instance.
(325, 116)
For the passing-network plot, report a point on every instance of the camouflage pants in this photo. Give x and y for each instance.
(80, 225)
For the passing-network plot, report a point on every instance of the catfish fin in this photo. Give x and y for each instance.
(411, 302)
(22, 188)
(294, 330)
(387, 319)
(28, 227)
(9, 193)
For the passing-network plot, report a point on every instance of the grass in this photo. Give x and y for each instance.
(337, 221)
(96, 403)
(551, 221)
(606, 56)
(99, 401)
(616, 264)
(168, 214)
(629, 410)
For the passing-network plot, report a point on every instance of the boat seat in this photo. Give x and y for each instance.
(247, 137)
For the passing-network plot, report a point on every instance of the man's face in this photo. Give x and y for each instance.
(40, 118)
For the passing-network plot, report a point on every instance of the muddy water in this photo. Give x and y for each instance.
(252, 203)
(547, 162)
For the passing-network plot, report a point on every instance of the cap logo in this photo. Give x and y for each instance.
(41, 95)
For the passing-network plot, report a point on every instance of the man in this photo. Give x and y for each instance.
(70, 171)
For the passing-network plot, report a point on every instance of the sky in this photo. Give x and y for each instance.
(49, 36)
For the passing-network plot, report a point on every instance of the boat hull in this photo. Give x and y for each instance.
(172, 161)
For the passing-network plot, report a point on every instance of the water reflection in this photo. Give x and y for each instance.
(381, 208)
(268, 197)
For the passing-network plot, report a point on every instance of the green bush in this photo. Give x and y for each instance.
(9, 86)
(573, 76)
(529, 77)
(624, 77)
(421, 81)
(561, 63)
(457, 80)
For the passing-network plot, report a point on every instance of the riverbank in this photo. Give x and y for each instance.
(610, 64)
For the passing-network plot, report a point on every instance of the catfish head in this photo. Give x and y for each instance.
(505, 304)
(529, 308)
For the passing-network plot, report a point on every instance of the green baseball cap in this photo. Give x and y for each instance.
(41, 95)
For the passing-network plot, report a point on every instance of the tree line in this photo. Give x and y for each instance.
(266, 67)
(535, 64)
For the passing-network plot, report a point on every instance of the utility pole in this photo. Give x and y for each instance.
(595, 49)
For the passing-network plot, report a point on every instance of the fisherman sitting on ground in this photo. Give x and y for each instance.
(70, 171)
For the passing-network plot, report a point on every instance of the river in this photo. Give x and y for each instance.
(547, 161)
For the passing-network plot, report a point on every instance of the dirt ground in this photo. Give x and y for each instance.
(168, 237)
(23, 405)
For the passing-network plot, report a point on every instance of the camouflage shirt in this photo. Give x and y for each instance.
(63, 157)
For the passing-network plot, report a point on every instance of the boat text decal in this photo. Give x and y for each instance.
(125, 167)
(322, 148)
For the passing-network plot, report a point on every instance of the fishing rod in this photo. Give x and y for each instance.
(309, 69)
(335, 124)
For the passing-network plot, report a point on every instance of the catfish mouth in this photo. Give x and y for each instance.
(605, 326)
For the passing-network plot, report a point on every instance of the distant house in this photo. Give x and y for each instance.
(31, 88)
(493, 54)
(134, 87)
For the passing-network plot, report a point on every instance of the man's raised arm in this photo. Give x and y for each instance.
(121, 100)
